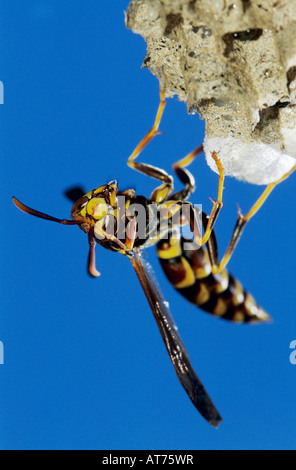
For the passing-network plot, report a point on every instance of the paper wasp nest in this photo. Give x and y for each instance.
(234, 62)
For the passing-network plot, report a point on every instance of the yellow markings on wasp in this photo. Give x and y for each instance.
(112, 198)
(97, 207)
(262, 315)
(223, 282)
(253, 310)
(82, 213)
(169, 209)
(220, 307)
(189, 278)
(100, 189)
(203, 294)
(161, 193)
(239, 317)
(250, 305)
(127, 203)
(170, 250)
(203, 271)
(238, 294)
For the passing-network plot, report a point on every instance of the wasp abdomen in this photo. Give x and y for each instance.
(188, 269)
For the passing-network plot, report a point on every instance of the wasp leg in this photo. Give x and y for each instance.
(243, 219)
(149, 136)
(185, 176)
(212, 245)
(129, 241)
(191, 215)
(217, 205)
(161, 192)
(125, 247)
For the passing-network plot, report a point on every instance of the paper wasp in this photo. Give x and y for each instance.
(192, 267)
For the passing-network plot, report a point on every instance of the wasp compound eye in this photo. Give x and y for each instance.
(78, 206)
(97, 208)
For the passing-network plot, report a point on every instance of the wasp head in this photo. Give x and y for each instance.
(96, 204)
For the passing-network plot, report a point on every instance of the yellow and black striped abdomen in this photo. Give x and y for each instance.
(188, 269)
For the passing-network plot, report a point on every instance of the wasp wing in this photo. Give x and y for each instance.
(173, 343)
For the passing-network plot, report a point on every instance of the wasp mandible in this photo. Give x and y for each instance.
(192, 267)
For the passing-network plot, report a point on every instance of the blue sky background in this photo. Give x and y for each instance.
(85, 367)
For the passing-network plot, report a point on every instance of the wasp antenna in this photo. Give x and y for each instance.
(41, 215)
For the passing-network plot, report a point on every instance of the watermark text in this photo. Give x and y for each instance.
(146, 222)
(1, 353)
(293, 353)
(1, 93)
